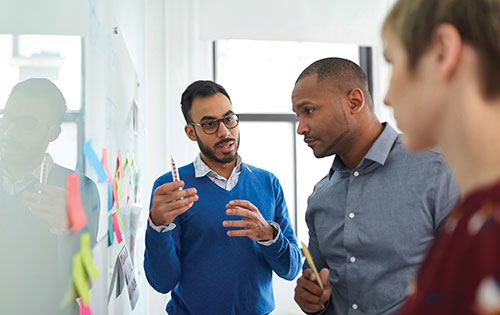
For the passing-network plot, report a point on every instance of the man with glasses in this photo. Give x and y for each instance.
(216, 243)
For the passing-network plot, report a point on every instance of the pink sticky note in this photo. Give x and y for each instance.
(116, 227)
(104, 161)
(85, 309)
(76, 215)
(119, 164)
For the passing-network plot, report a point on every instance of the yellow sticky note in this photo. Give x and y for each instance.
(133, 162)
(127, 162)
(86, 254)
(80, 280)
(311, 263)
(118, 217)
(118, 185)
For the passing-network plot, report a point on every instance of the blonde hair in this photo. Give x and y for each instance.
(477, 21)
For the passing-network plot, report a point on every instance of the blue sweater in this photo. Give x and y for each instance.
(210, 272)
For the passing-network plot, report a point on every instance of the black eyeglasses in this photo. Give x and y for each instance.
(212, 126)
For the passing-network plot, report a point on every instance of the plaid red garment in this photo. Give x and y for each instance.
(461, 274)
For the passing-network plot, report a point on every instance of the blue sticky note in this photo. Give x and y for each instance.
(111, 237)
(110, 196)
(94, 162)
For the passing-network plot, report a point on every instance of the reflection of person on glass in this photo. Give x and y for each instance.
(36, 261)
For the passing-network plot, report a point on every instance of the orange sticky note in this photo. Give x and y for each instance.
(116, 227)
(84, 309)
(76, 215)
(104, 161)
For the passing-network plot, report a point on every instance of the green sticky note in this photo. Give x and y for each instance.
(86, 255)
(118, 186)
(80, 280)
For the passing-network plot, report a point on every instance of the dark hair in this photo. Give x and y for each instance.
(344, 75)
(201, 88)
(41, 89)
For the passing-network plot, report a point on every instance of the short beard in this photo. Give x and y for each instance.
(211, 155)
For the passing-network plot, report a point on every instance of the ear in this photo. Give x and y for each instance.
(448, 46)
(356, 100)
(54, 132)
(189, 130)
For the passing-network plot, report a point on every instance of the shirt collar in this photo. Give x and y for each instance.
(381, 148)
(14, 187)
(378, 152)
(201, 169)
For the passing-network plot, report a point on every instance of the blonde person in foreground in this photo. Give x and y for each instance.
(445, 91)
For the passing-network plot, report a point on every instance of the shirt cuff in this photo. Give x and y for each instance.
(161, 228)
(275, 226)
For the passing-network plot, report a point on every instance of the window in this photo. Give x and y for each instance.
(259, 77)
(59, 59)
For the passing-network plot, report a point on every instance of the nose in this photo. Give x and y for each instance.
(223, 131)
(302, 127)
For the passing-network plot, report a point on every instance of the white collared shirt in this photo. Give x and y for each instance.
(201, 169)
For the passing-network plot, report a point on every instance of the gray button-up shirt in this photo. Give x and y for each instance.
(371, 226)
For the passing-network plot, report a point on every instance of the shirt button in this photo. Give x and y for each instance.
(352, 259)
(351, 215)
(356, 174)
(355, 306)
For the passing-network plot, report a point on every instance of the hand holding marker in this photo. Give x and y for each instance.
(311, 263)
(175, 172)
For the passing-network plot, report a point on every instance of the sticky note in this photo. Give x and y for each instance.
(89, 153)
(80, 280)
(118, 186)
(130, 202)
(127, 162)
(111, 238)
(85, 309)
(86, 254)
(76, 215)
(115, 195)
(117, 229)
(104, 161)
(119, 164)
(133, 162)
(119, 218)
(110, 196)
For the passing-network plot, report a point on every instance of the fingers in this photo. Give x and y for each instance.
(308, 294)
(240, 212)
(169, 187)
(243, 204)
(51, 190)
(238, 223)
(169, 202)
(323, 275)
